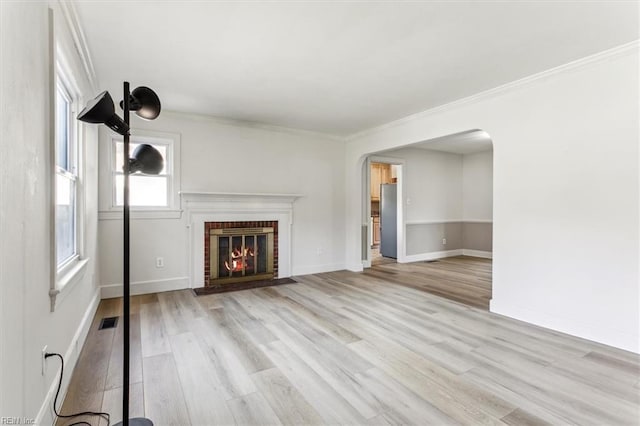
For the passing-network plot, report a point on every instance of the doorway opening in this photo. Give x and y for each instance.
(444, 214)
(383, 235)
(384, 218)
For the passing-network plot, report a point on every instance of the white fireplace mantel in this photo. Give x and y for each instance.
(201, 207)
(203, 196)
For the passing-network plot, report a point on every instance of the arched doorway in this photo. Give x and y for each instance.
(445, 211)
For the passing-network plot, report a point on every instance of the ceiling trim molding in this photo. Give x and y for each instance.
(79, 40)
(499, 90)
(254, 124)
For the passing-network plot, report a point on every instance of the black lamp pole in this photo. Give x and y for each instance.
(146, 159)
(125, 267)
(126, 278)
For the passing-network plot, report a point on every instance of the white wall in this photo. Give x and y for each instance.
(477, 186)
(565, 191)
(432, 184)
(26, 323)
(442, 192)
(225, 156)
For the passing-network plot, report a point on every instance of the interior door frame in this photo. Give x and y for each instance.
(400, 241)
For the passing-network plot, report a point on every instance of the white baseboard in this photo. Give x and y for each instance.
(477, 253)
(46, 414)
(354, 267)
(318, 269)
(430, 256)
(109, 291)
(595, 332)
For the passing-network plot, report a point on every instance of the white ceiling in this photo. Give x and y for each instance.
(338, 67)
(460, 143)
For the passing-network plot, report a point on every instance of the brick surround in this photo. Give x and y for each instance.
(208, 226)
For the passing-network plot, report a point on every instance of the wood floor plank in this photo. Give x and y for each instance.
(153, 333)
(470, 405)
(341, 379)
(519, 417)
(252, 409)
(329, 347)
(163, 393)
(226, 363)
(249, 324)
(204, 395)
(259, 302)
(245, 348)
(589, 399)
(610, 379)
(402, 406)
(175, 319)
(285, 400)
(469, 285)
(329, 404)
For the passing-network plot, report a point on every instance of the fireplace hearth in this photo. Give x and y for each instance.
(240, 252)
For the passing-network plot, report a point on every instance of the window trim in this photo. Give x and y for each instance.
(65, 275)
(109, 210)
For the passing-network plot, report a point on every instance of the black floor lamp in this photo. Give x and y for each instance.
(146, 159)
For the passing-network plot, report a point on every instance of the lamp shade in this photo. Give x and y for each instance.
(146, 159)
(101, 110)
(144, 102)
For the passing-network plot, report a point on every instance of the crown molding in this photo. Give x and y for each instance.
(621, 50)
(79, 40)
(254, 124)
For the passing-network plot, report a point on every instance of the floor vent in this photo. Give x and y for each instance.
(110, 322)
(431, 261)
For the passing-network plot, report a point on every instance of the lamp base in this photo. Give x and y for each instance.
(137, 421)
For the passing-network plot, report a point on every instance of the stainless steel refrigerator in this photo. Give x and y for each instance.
(388, 220)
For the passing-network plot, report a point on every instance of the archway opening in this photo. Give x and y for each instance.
(444, 213)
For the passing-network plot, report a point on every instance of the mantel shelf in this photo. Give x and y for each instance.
(203, 195)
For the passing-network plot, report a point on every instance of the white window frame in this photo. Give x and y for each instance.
(108, 206)
(68, 273)
(71, 172)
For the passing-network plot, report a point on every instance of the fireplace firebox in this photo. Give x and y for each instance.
(239, 254)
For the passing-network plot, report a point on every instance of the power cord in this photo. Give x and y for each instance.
(69, 416)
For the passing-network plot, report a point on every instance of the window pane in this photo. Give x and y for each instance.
(132, 146)
(143, 190)
(62, 130)
(65, 218)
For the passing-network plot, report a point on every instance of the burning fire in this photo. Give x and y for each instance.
(237, 259)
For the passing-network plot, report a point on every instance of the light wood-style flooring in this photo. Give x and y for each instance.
(463, 279)
(351, 349)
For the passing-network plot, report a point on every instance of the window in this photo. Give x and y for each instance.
(66, 179)
(150, 196)
(144, 190)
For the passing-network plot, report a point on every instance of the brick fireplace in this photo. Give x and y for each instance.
(240, 251)
(201, 209)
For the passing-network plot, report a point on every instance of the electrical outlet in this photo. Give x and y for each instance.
(159, 262)
(320, 251)
(43, 360)
(444, 241)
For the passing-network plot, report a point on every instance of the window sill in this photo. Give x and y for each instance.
(140, 214)
(66, 282)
